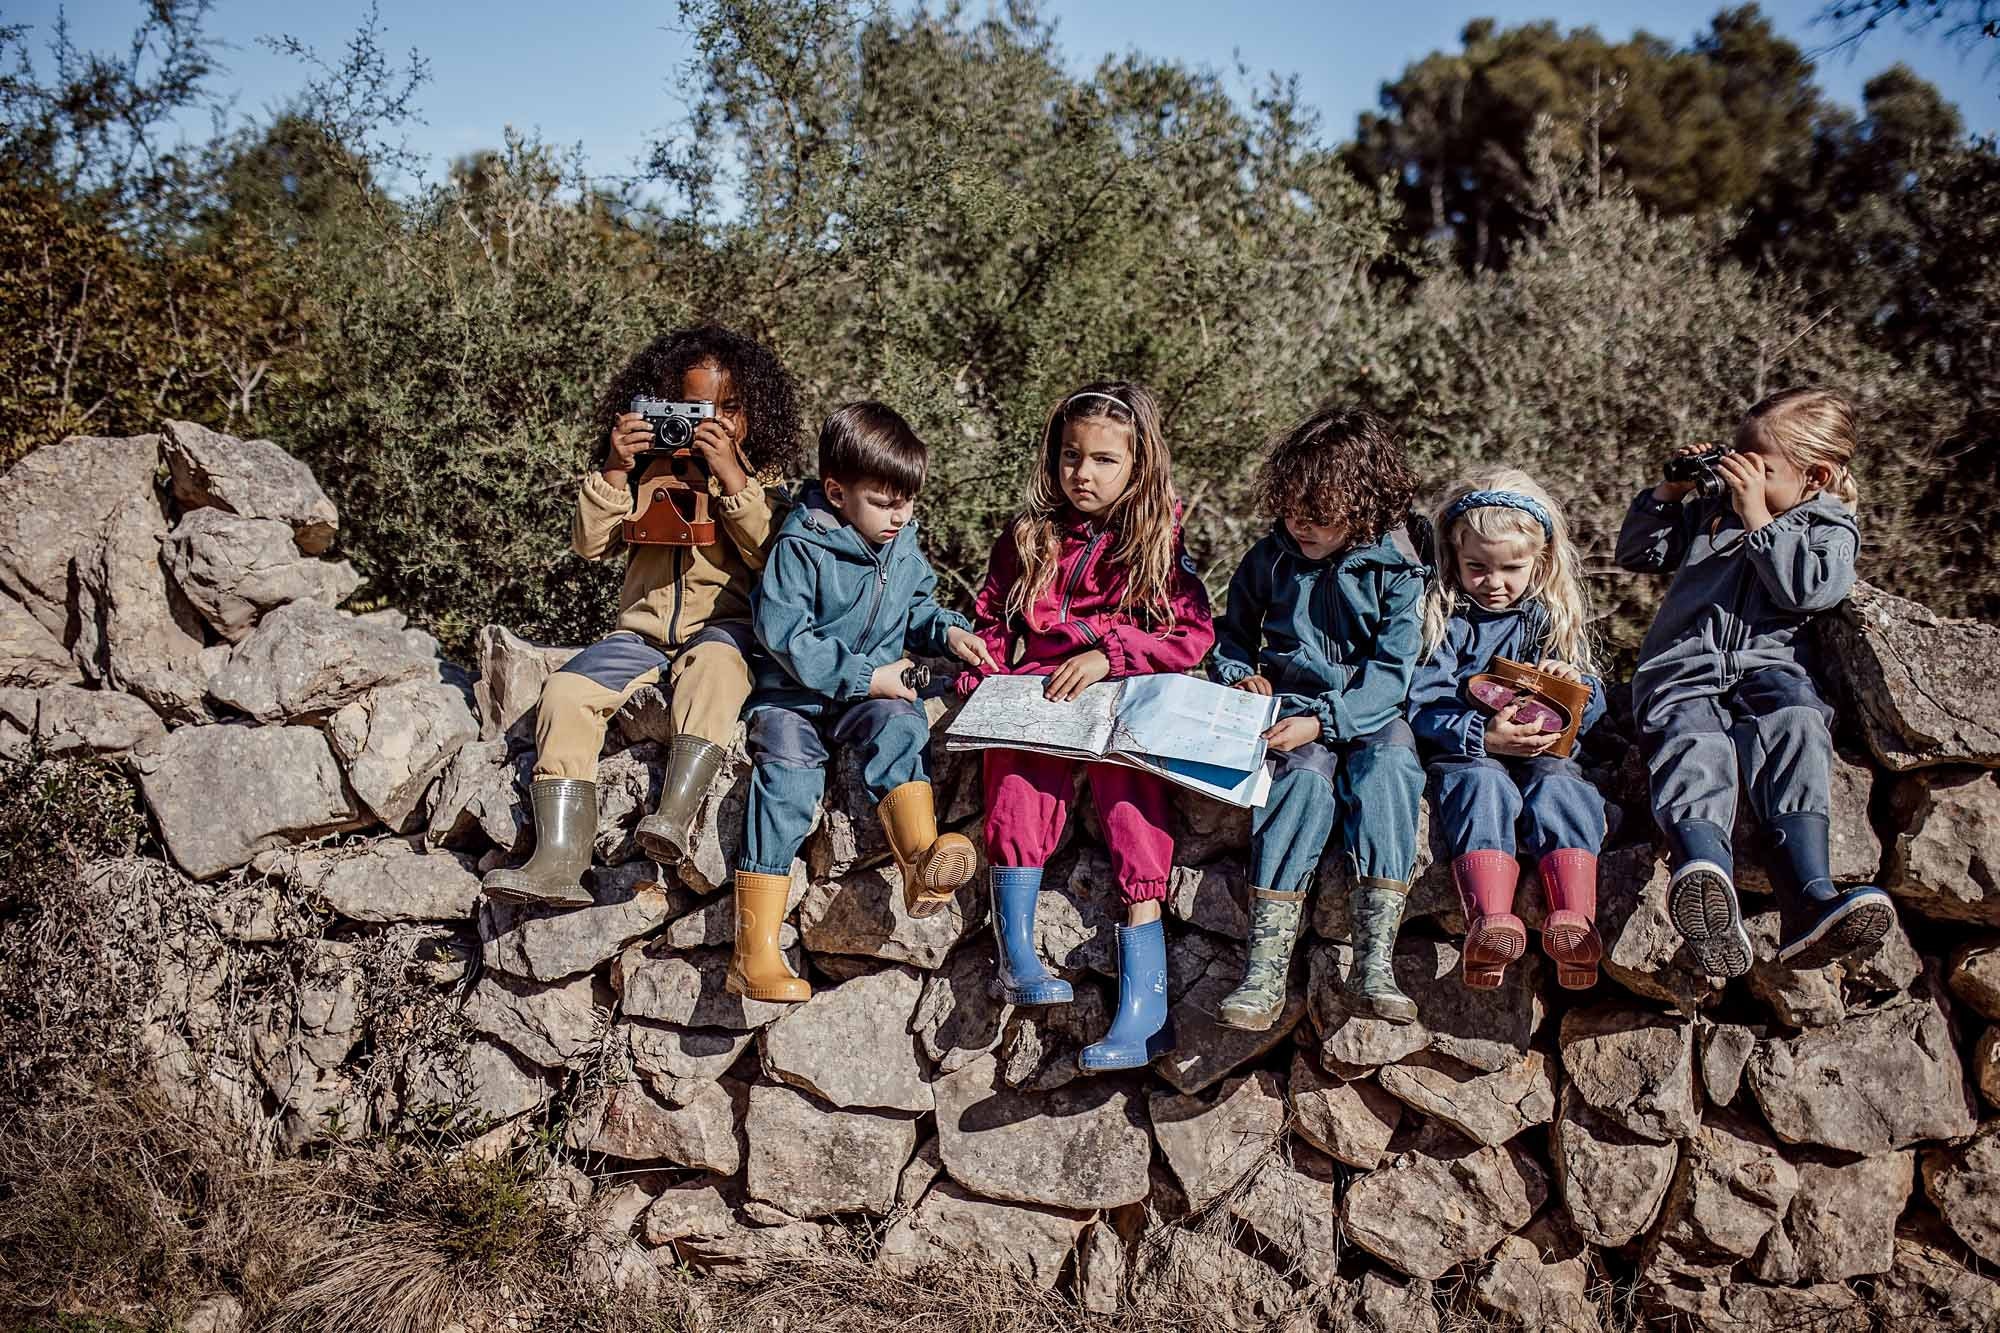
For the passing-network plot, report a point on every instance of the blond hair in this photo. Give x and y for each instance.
(1557, 581)
(1810, 427)
(1143, 515)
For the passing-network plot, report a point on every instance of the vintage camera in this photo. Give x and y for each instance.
(1699, 468)
(673, 423)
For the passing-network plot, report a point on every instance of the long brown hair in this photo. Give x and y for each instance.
(1143, 516)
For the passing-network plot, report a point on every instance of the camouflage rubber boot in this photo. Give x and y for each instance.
(666, 835)
(565, 826)
(1274, 928)
(1370, 990)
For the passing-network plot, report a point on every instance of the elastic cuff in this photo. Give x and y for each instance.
(750, 497)
(1114, 652)
(857, 685)
(1144, 891)
(1228, 673)
(601, 494)
(1475, 734)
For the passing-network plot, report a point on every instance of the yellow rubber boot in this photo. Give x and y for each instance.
(757, 967)
(933, 866)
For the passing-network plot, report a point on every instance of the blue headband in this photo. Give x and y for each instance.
(1527, 504)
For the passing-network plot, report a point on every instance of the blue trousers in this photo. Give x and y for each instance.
(1485, 803)
(1772, 724)
(1370, 786)
(788, 777)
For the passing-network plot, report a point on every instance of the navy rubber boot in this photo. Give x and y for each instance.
(1702, 899)
(1819, 920)
(1139, 1031)
(1023, 979)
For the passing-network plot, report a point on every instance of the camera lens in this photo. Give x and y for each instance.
(674, 432)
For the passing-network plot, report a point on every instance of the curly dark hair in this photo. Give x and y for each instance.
(770, 399)
(1342, 467)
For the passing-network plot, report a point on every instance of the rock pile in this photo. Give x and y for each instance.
(1818, 1145)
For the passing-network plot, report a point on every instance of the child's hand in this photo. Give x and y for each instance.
(969, 648)
(718, 448)
(1744, 474)
(1076, 675)
(1253, 685)
(1514, 739)
(1555, 666)
(1669, 491)
(1292, 732)
(887, 681)
(629, 437)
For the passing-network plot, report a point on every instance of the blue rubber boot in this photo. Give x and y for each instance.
(1701, 899)
(1023, 979)
(1140, 1032)
(1820, 920)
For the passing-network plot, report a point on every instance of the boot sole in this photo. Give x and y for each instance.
(1158, 1044)
(659, 847)
(1248, 1020)
(768, 994)
(1044, 993)
(526, 897)
(1704, 909)
(1389, 1011)
(1491, 944)
(1575, 950)
(1860, 923)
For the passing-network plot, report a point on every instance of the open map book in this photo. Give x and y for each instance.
(1208, 738)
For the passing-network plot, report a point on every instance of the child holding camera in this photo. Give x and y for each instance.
(1509, 586)
(1323, 613)
(846, 593)
(1760, 538)
(1088, 583)
(683, 612)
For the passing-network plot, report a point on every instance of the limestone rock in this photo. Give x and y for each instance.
(30, 656)
(1384, 1305)
(1843, 1219)
(1874, 1082)
(307, 659)
(1974, 976)
(850, 1045)
(1201, 972)
(249, 478)
(1487, 1108)
(1986, 1066)
(1854, 852)
(688, 1210)
(512, 672)
(1213, 1147)
(1348, 1042)
(222, 794)
(688, 988)
(53, 504)
(548, 944)
(917, 1176)
(1212, 897)
(1032, 1243)
(1964, 1183)
(1290, 1203)
(1101, 1267)
(73, 721)
(633, 1124)
(678, 1062)
(1352, 1121)
(234, 571)
(712, 923)
(1208, 1282)
(960, 1015)
(1080, 1146)
(1486, 1030)
(1725, 1050)
(1731, 1190)
(1442, 1203)
(391, 880)
(395, 741)
(1634, 1065)
(1539, 1292)
(135, 632)
(482, 797)
(550, 1025)
(1944, 862)
(863, 915)
(480, 1081)
(1921, 684)
(1929, 1280)
(813, 1160)
(1612, 1181)
(752, 1252)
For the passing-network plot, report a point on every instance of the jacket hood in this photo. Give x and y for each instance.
(1382, 552)
(816, 521)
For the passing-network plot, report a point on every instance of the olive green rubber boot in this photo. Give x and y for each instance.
(565, 828)
(667, 835)
(1370, 990)
(1274, 929)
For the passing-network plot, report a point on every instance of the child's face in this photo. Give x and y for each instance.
(870, 508)
(1494, 572)
(1786, 484)
(1316, 541)
(1096, 463)
(707, 382)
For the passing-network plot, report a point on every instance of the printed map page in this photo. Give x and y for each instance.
(1010, 712)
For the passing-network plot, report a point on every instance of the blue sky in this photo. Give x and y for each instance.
(602, 73)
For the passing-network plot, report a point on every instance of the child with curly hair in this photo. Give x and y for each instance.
(683, 614)
(1324, 613)
(1509, 585)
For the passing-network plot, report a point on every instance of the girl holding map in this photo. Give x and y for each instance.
(1089, 582)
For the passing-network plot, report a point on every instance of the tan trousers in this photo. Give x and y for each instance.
(708, 685)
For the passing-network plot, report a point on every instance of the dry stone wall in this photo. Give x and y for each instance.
(1815, 1146)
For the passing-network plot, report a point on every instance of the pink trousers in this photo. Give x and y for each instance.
(1027, 801)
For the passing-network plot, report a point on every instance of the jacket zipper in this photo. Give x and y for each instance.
(1076, 577)
(881, 585)
(674, 621)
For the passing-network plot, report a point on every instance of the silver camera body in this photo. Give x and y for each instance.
(673, 423)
